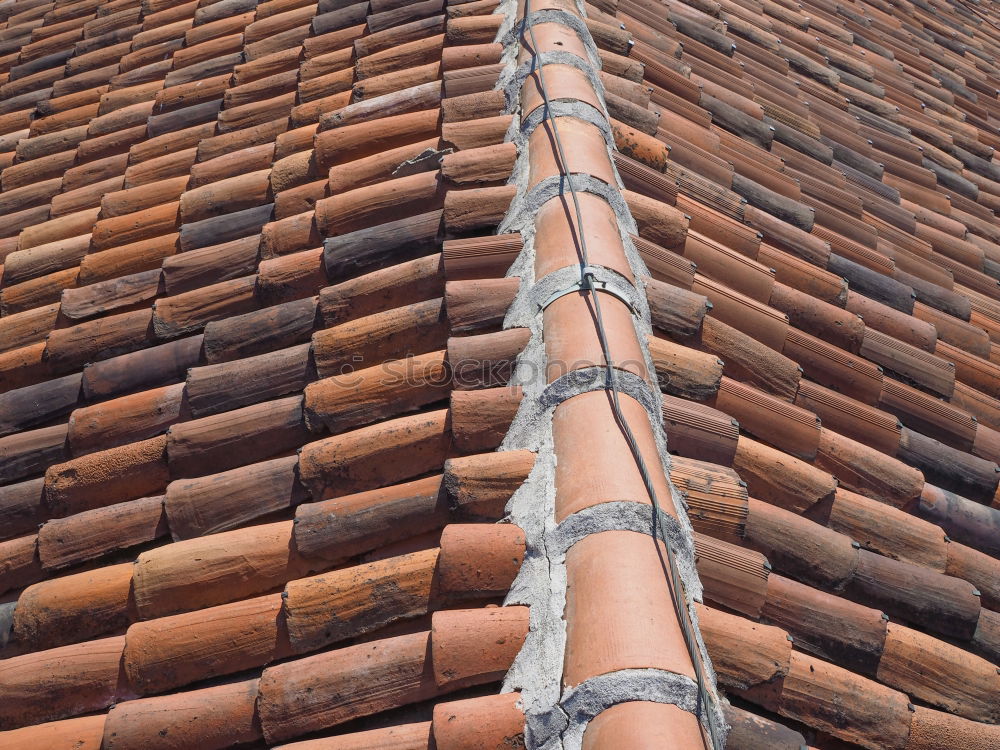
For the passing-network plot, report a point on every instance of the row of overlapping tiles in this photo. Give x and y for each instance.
(728, 337)
(863, 221)
(91, 676)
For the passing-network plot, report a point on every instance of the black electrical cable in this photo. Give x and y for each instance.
(611, 387)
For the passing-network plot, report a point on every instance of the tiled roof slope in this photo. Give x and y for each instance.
(305, 437)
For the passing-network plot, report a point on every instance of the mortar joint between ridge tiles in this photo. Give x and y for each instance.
(569, 108)
(585, 701)
(624, 516)
(542, 583)
(526, 204)
(510, 33)
(553, 57)
(565, 278)
(587, 379)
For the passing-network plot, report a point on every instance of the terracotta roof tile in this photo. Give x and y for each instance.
(582, 489)
(415, 736)
(685, 372)
(965, 520)
(77, 679)
(411, 579)
(362, 679)
(903, 647)
(871, 474)
(975, 567)
(115, 474)
(411, 445)
(212, 389)
(858, 643)
(807, 694)
(820, 556)
(491, 722)
(125, 420)
(170, 652)
(747, 730)
(226, 500)
(390, 513)
(165, 579)
(783, 425)
(85, 733)
(374, 337)
(961, 602)
(747, 359)
(699, 431)
(85, 536)
(633, 636)
(716, 497)
(210, 717)
(781, 479)
(930, 728)
(458, 660)
(641, 724)
(906, 538)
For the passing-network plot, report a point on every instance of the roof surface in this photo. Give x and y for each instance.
(471, 374)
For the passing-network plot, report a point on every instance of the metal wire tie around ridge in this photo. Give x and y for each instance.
(588, 283)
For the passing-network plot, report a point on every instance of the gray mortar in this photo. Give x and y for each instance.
(556, 720)
(570, 108)
(6, 621)
(426, 160)
(566, 278)
(516, 80)
(509, 36)
(585, 701)
(539, 584)
(595, 378)
(524, 207)
(627, 516)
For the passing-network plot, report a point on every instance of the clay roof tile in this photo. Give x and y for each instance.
(879, 716)
(405, 736)
(475, 646)
(378, 516)
(75, 607)
(84, 733)
(490, 722)
(169, 652)
(215, 388)
(872, 474)
(125, 420)
(642, 725)
(92, 534)
(857, 642)
(584, 474)
(939, 603)
(747, 730)
(174, 577)
(210, 717)
(112, 475)
(930, 728)
(409, 445)
(369, 596)
(747, 359)
(699, 431)
(61, 682)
